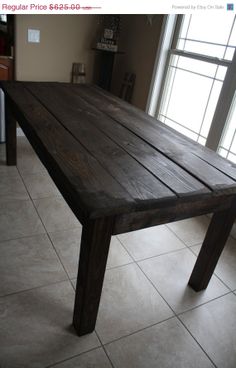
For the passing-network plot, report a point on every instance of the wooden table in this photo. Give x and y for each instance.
(119, 170)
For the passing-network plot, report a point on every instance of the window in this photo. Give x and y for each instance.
(198, 77)
(227, 146)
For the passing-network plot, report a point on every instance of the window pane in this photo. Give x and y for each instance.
(195, 66)
(232, 157)
(167, 90)
(185, 26)
(233, 146)
(181, 129)
(192, 87)
(223, 152)
(213, 99)
(188, 99)
(204, 48)
(229, 54)
(203, 35)
(214, 29)
(232, 41)
(202, 140)
(221, 71)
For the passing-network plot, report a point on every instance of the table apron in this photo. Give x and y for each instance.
(171, 212)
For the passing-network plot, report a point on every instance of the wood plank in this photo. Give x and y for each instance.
(213, 245)
(10, 135)
(95, 241)
(164, 139)
(169, 173)
(179, 210)
(143, 186)
(92, 191)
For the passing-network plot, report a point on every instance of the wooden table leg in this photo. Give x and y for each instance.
(214, 242)
(10, 135)
(95, 242)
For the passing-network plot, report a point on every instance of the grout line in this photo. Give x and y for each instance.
(118, 266)
(46, 231)
(184, 242)
(201, 347)
(21, 237)
(138, 331)
(214, 273)
(161, 254)
(72, 357)
(49, 196)
(117, 236)
(103, 347)
(134, 261)
(176, 315)
(189, 309)
(207, 302)
(33, 288)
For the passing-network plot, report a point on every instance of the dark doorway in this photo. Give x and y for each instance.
(7, 31)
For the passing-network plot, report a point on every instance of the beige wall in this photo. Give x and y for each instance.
(68, 38)
(139, 40)
(64, 39)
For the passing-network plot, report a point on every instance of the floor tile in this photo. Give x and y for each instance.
(128, 303)
(35, 328)
(92, 359)
(226, 267)
(23, 145)
(11, 188)
(170, 274)
(40, 185)
(19, 219)
(150, 242)
(27, 160)
(56, 214)
(29, 164)
(214, 326)
(7, 171)
(24, 148)
(192, 231)
(67, 244)
(117, 256)
(27, 263)
(166, 345)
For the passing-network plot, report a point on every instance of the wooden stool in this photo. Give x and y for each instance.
(78, 73)
(127, 87)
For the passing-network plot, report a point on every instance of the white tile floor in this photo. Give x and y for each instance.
(148, 316)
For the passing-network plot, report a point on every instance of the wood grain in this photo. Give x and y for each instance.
(212, 247)
(94, 248)
(140, 183)
(10, 135)
(164, 139)
(82, 112)
(119, 170)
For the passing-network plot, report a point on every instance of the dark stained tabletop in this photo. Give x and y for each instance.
(111, 156)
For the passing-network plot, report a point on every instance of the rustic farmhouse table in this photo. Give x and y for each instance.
(119, 170)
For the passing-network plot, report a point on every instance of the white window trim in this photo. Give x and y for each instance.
(223, 106)
(166, 39)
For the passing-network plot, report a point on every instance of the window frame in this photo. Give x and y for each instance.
(167, 47)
